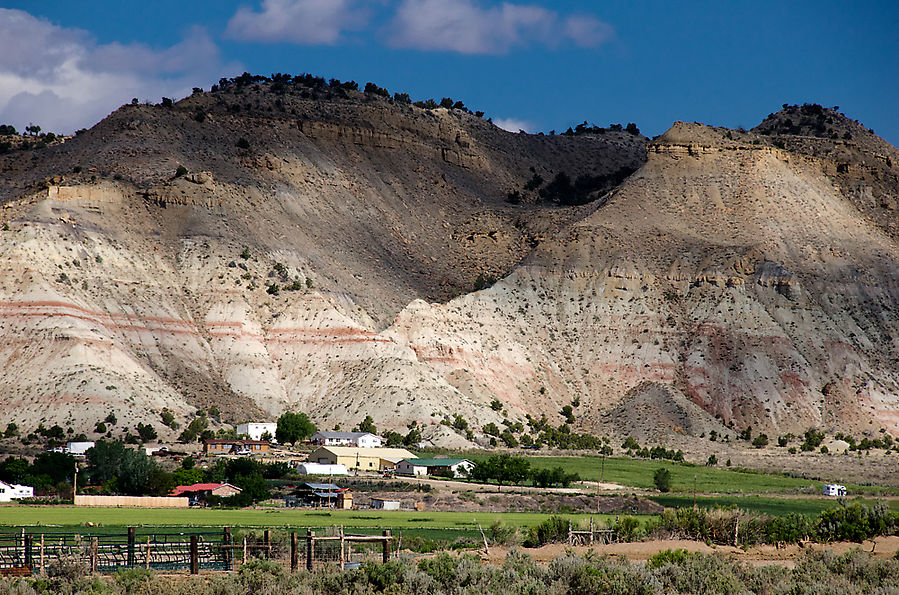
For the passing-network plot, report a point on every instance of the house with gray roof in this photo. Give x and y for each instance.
(360, 439)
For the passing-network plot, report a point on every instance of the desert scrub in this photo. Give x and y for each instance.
(855, 572)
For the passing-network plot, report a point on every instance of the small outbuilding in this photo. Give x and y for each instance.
(381, 504)
(306, 468)
(442, 467)
(834, 489)
(321, 494)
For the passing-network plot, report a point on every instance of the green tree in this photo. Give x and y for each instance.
(168, 419)
(460, 423)
(11, 430)
(502, 469)
(662, 479)
(392, 438)
(294, 427)
(509, 438)
(412, 438)
(194, 429)
(630, 444)
(368, 425)
(146, 432)
(760, 441)
(813, 439)
(491, 429)
(14, 470)
(253, 486)
(186, 477)
(111, 462)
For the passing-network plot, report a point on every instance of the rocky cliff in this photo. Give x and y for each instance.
(335, 253)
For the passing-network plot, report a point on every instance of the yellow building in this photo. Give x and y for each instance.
(364, 459)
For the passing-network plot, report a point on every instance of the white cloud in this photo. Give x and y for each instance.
(62, 79)
(514, 124)
(467, 27)
(308, 22)
(588, 32)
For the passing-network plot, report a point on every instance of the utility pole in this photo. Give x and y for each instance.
(694, 490)
(75, 483)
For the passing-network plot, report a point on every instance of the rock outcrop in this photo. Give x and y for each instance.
(351, 256)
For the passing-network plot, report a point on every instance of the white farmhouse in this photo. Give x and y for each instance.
(14, 491)
(360, 439)
(256, 430)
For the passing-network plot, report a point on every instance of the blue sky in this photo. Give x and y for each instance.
(539, 65)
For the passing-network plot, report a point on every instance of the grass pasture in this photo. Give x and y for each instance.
(637, 473)
(775, 506)
(395, 520)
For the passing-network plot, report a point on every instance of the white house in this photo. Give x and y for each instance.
(421, 467)
(360, 439)
(304, 468)
(256, 430)
(14, 491)
(78, 448)
(834, 489)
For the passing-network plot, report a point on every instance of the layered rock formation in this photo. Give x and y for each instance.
(323, 254)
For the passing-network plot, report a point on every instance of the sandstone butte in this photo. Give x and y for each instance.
(714, 277)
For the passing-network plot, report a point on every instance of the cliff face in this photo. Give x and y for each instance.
(734, 272)
(744, 275)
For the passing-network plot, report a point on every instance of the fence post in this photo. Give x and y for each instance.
(130, 559)
(28, 553)
(226, 541)
(342, 550)
(244, 550)
(148, 553)
(294, 554)
(267, 538)
(310, 548)
(43, 566)
(385, 551)
(95, 554)
(194, 555)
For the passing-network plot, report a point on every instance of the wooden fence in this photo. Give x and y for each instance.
(24, 553)
(590, 536)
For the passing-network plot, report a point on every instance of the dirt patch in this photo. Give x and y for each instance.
(883, 547)
(471, 501)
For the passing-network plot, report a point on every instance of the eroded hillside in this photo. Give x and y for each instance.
(131, 287)
(310, 255)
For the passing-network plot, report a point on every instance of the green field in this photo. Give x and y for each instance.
(638, 473)
(70, 516)
(767, 505)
